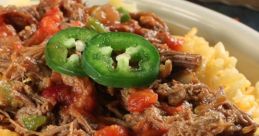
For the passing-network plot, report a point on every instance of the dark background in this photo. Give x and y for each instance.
(242, 14)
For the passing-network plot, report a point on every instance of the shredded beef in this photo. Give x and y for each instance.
(181, 59)
(27, 32)
(17, 17)
(210, 110)
(79, 106)
(74, 10)
(205, 112)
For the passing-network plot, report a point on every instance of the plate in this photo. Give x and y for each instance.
(180, 15)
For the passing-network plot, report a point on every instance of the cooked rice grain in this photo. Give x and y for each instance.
(218, 69)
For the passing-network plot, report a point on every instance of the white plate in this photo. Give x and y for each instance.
(181, 16)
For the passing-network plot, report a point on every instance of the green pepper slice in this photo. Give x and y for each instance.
(63, 51)
(120, 59)
(32, 122)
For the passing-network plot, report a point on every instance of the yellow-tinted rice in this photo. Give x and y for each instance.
(219, 70)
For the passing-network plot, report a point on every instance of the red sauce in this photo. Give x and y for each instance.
(139, 100)
(58, 94)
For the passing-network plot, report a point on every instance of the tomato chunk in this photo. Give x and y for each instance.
(174, 43)
(139, 100)
(58, 93)
(48, 26)
(113, 130)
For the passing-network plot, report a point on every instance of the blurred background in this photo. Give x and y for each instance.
(245, 11)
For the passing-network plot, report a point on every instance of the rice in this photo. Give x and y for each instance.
(218, 69)
(6, 132)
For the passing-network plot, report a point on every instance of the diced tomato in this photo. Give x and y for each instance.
(174, 43)
(171, 110)
(58, 93)
(139, 100)
(113, 130)
(48, 26)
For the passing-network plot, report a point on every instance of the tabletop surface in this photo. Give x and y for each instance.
(242, 14)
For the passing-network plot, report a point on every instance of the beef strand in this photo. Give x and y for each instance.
(182, 59)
